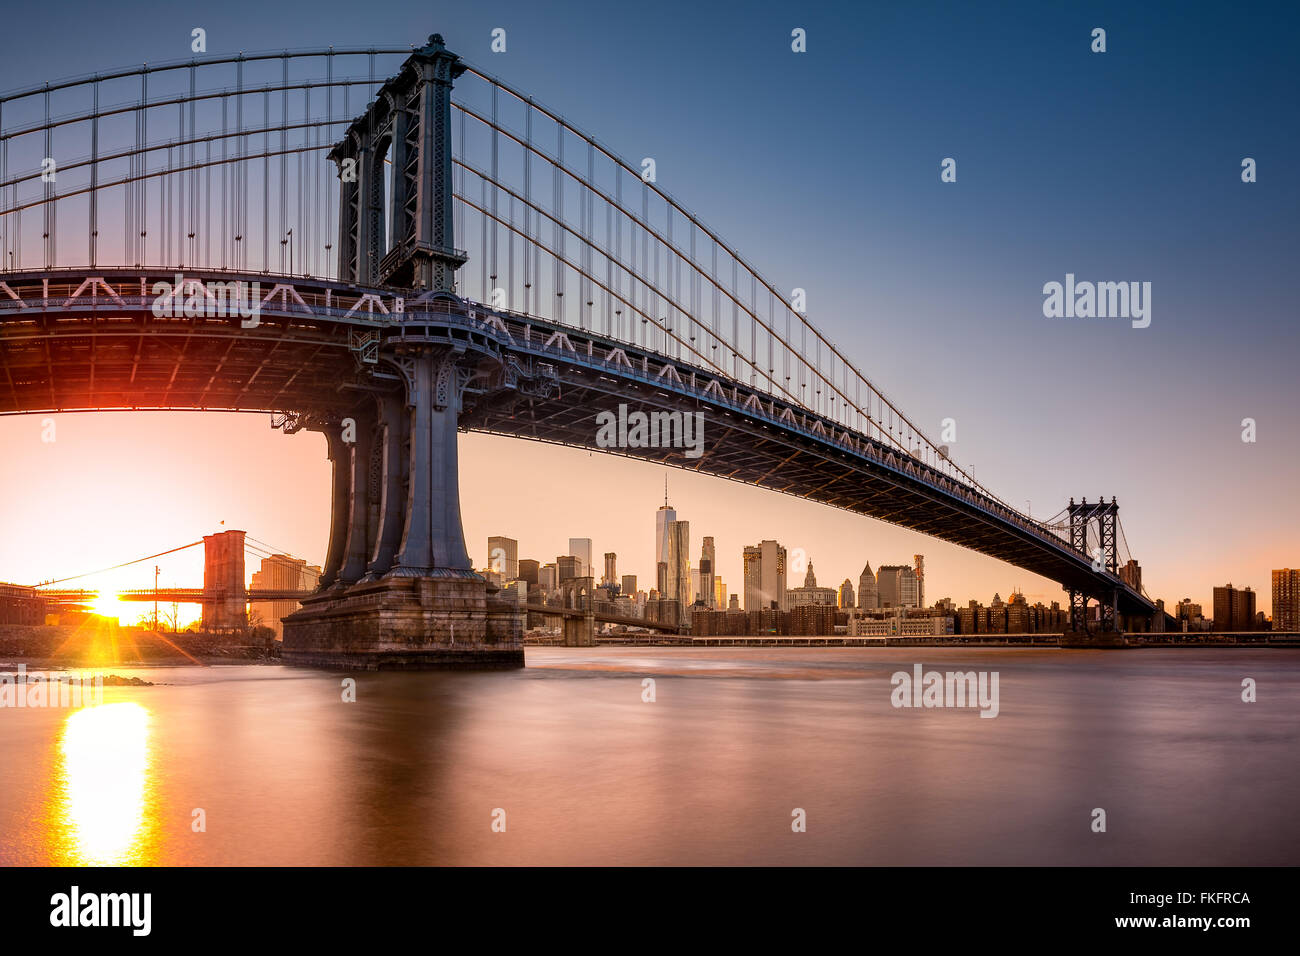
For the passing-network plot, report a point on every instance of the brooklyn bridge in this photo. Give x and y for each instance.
(389, 246)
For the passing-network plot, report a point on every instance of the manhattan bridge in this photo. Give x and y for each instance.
(389, 246)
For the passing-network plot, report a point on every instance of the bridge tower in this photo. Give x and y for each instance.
(1105, 557)
(409, 125)
(225, 606)
(398, 589)
(576, 595)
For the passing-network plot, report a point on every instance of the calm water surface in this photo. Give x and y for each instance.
(588, 773)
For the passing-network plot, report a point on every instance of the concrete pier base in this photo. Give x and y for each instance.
(408, 623)
(1093, 639)
(580, 631)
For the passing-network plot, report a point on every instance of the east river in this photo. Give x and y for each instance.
(569, 761)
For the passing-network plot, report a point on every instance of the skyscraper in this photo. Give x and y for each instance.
(896, 586)
(1234, 610)
(503, 556)
(629, 585)
(528, 571)
(910, 587)
(548, 577)
(764, 565)
(846, 594)
(706, 590)
(918, 567)
(580, 548)
(867, 594)
(1286, 600)
(280, 572)
(679, 566)
(611, 571)
(1131, 574)
(663, 517)
(570, 566)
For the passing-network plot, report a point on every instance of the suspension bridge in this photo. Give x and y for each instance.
(290, 233)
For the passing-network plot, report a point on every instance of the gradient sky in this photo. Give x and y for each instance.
(823, 169)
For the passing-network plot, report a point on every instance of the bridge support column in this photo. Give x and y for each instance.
(1106, 635)
(341, 465)
(433, 536)
(394, 434)
(580, 631)
(359, 435)
(1110, 611)
(430, 610)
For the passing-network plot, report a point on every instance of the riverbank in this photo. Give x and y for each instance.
(61, 646)
(1256, 640)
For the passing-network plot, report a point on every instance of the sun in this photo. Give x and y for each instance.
(107, 605)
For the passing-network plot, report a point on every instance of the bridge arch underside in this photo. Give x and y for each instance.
(100, 353)
(324, 350)
(786, 460)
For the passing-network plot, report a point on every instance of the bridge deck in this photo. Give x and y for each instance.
(105, 349)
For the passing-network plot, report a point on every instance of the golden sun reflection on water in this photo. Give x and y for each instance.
(101, 810)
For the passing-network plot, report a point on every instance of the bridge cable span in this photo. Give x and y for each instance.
(115, 567)
(669, 281)
(235, 165)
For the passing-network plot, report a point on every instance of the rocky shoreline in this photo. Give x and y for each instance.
(22, 676)
(64, 647)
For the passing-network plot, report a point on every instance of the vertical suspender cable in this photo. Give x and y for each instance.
(529, 277)
(94, 177)
(4, 174)
(48, 208)
(558, 250)
(241, 172)
(329, 191)
(266, 180)
(485, 295)
(225, 201)
(618, 246)
(207, 206)
(495, 192)
(284, 166)
(608, 295)
(194, 179)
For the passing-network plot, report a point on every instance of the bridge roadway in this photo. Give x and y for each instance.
(601, 617)
(81, 339)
